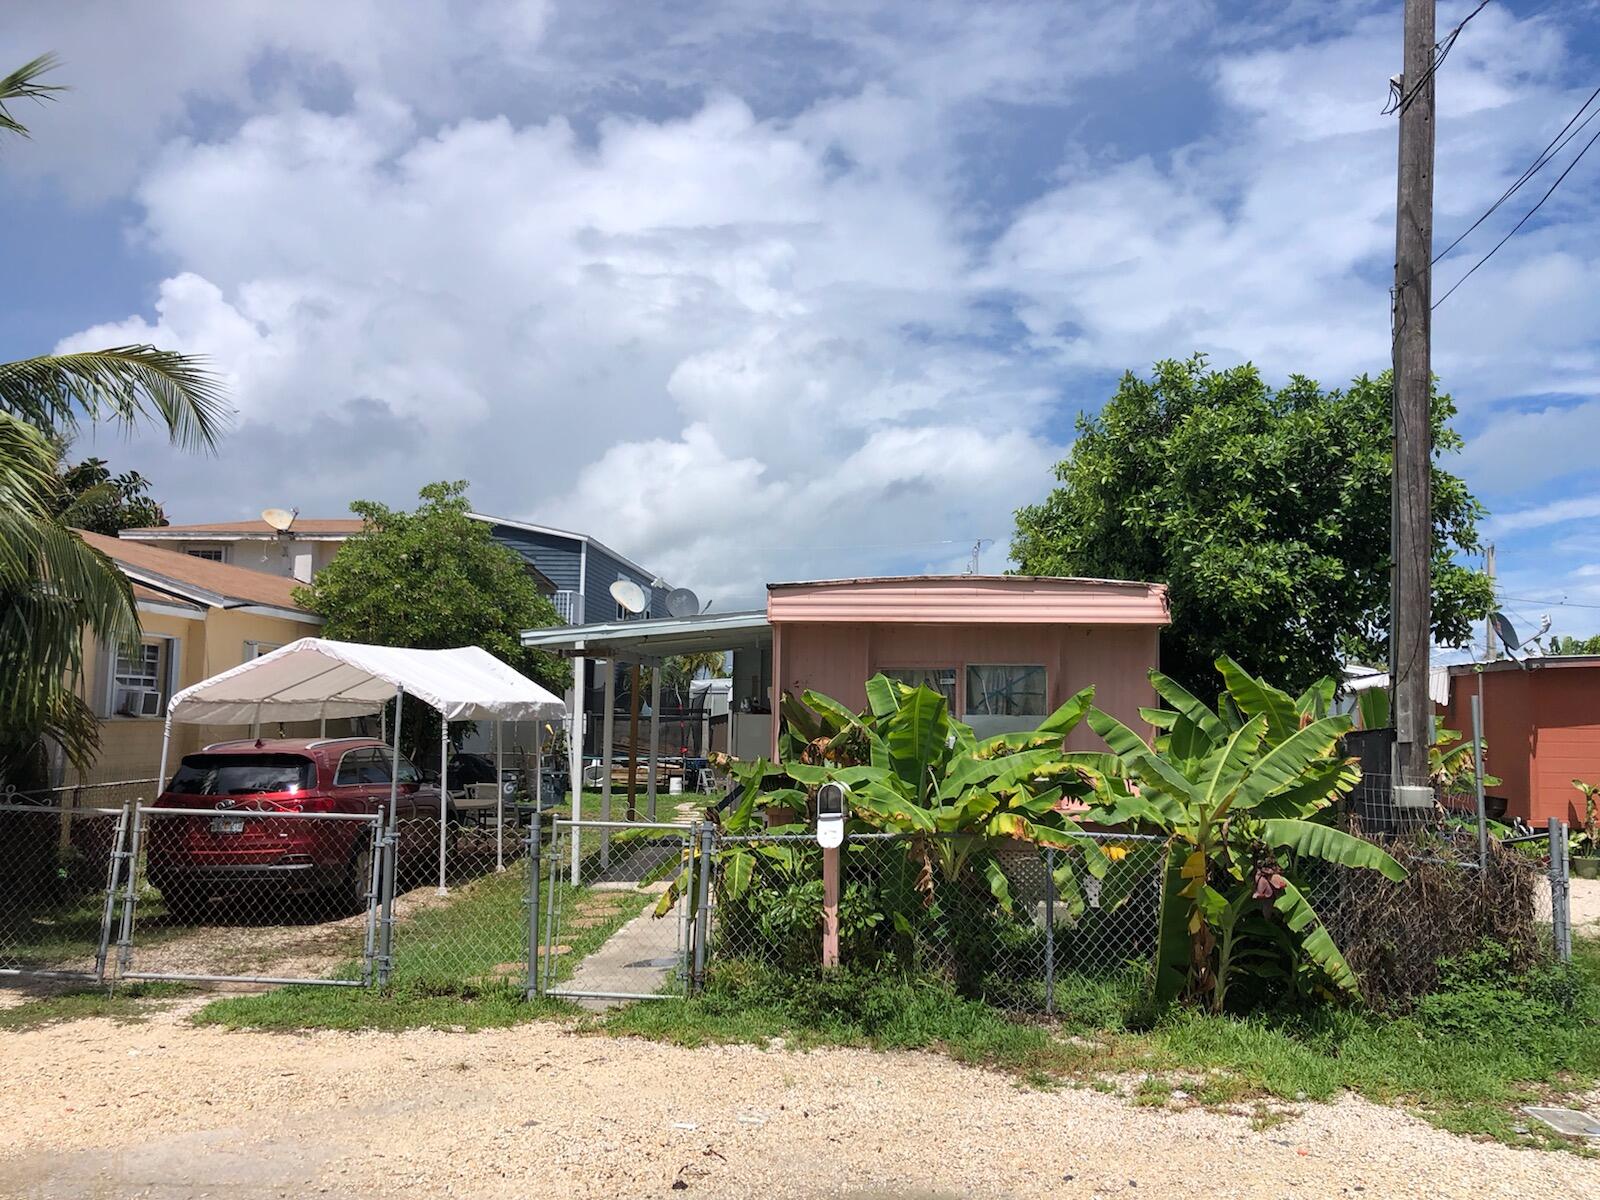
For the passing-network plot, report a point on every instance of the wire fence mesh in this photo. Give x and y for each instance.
(238, 893)
(58, 875)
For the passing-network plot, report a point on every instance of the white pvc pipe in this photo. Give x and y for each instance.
(166, 740)
(499, 800)
(444, 788)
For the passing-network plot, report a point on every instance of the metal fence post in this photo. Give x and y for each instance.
(535, 850)
(703, 916)
(130, 897)
(550, 903)
(374, 887)
(1560, 891)
(119, 840)
(1477, 765)
(1049, 929)
(390, 852)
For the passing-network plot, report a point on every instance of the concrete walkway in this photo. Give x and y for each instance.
(637, 960)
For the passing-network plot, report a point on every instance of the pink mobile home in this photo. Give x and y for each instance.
(1005, 650)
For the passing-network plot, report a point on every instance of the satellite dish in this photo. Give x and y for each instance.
(630, 595)
(681, 602)
(1503, 629)
(280, 518)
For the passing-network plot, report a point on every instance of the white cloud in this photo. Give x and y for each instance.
(1557, 512)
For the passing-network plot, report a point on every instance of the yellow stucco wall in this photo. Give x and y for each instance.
(130, 747)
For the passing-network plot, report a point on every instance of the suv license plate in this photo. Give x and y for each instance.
(227, 825)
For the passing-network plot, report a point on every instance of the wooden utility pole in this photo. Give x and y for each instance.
(1412, 536)
(1488, 622)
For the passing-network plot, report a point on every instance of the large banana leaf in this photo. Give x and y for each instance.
(1228, 763)
(883, 696)
(1256, 698)
(916, 737)
(1282, 764)
(1152, 767)
(1181, 699)
(1171, 967)
(1312, 840)
(1315, 940)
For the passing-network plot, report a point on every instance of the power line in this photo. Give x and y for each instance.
(1520, 223)
(1533, 168)
(1400, 101)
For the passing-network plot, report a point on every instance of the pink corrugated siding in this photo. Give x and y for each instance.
(971, 600)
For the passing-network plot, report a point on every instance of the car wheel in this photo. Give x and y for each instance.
(358, 878)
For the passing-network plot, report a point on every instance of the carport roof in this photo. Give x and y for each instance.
(657, 638)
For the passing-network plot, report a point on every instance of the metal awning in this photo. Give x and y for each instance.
(656, 638)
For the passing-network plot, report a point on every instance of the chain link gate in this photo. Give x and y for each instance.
(623, 910)
(248, 895)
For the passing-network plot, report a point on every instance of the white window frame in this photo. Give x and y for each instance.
(166, 682)
(254, 650)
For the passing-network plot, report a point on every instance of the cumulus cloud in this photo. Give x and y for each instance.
(763, 291)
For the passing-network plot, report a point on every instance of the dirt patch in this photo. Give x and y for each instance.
(1585, 902)
(166, 1110)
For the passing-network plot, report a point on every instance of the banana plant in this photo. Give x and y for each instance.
(1234, 790)
(913, 769)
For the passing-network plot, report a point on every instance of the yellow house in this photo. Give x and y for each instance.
(197, 617)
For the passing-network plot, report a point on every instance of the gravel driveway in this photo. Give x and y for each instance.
(165, 1110)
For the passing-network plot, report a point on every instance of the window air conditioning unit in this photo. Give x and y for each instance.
(138, 702)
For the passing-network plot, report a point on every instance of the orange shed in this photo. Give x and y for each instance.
(1541, 726)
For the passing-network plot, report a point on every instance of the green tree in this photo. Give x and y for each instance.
(1266, 513)
(432, 579)
(92, 498)
(55, 592)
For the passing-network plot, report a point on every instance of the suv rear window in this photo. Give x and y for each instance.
(243, 774)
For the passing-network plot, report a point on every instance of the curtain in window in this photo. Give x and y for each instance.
(1006, 691)
(938, 679)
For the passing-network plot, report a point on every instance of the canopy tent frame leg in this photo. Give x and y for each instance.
(499, 799)
(444, 802)
(391, 845)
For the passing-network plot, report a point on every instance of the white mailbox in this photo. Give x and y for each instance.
(831, 804)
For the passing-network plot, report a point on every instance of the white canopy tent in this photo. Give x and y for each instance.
(314, 678)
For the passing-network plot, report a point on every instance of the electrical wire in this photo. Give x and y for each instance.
(1533, 168)
(1520, 223)
(1441, 50)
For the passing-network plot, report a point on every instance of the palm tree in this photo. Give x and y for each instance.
(55, 591)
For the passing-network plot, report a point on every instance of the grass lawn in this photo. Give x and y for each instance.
(460, 962)
(1465, 1061)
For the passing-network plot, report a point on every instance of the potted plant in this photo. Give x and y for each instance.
(1583, 848)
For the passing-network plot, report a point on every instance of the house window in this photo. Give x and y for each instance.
(1006, 691)
(209, 553)
(938, 679)
(254, 650)
(141, 679)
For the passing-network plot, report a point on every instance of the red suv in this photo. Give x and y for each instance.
(191, 860)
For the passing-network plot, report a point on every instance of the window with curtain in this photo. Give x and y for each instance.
(1006, 691)
(938, 679)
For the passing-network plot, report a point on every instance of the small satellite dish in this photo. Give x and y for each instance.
(280, 518)
(1503, 629)
(630, 595)
(681, 602)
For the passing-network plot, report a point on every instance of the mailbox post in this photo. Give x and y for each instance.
(831, 799)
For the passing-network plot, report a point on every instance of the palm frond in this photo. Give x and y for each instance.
(23, 84)
(120, 384)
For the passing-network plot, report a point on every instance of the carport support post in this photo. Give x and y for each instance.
(166, 743)
(608, 744)
(575, 765)
(655, 739)
(499, 800)
(444, 792)
(391, 848)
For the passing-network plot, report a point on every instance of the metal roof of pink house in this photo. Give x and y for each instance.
(971, 600)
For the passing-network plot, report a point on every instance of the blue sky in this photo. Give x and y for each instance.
(757, 290)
